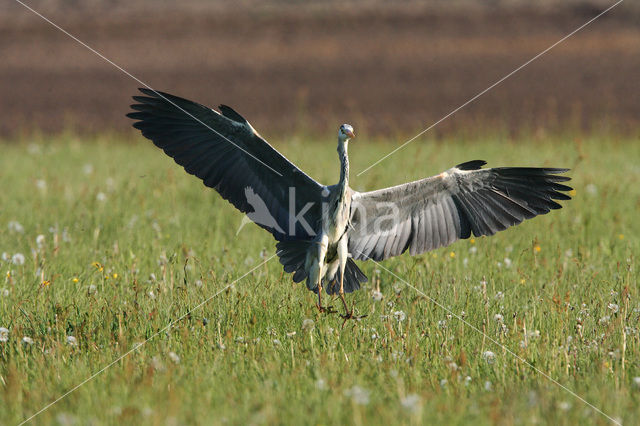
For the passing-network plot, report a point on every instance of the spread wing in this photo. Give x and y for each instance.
(436, 211)
(228, 155)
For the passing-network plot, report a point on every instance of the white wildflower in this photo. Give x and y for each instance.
(473, 249)
(40, 239)
(488, 386)
(507, 262)
(101, 196)
(291, 334)
(411, 402)
(92, 289)
(359, 395)
(400, 315)
(27, 340)
(636, 382)
(397, 288)
(276, 342)
(614, 307)
(442, 324)
(377, 295)
(72, 341)
(499, 295)
(467, 380)
(174, 357)
(151, 294)
(498, 317)
(321, 384)
(17, 259)
(4, 334)
(489, 356)
(4, 292)
(604, 320)
(41, 184)
(198, 283)
(443, 383)
(591, 189)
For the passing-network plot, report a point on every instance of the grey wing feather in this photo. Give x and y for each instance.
(228, 155)
(436, 211)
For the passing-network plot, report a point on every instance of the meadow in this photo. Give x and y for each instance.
(108, 248)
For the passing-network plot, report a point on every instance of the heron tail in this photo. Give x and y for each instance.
(293, 255)
(353, 276)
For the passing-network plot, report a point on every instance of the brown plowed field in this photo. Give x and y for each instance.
(384, 69)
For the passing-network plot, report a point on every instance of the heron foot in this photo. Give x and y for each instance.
(325, 309)
(348, 313)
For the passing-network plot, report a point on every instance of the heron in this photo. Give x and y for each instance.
(322, 229)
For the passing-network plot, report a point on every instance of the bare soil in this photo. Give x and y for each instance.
(386, 70)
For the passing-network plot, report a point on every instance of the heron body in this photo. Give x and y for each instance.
(320, 230)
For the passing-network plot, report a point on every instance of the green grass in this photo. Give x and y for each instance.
(132, 243)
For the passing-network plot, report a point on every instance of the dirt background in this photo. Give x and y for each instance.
(387, 68)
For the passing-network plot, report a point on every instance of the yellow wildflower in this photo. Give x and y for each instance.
(115, 275)
(621, 236)
(537, 248)
(75, 279)
(452, 255)
(472, 240)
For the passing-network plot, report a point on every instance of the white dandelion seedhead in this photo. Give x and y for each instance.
(72, 341)
(411, 403)
(307, 324)
(321, 384)
(18, 259)
(27, 340)
(174, 357)
(489, 356)
(4, 334)
(15, 226)
(400, 316)
(376, 295)
(359, 395)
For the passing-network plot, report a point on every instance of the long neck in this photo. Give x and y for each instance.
(344, 167)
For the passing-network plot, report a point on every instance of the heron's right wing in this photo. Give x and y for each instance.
(436, 211)
(228, 155)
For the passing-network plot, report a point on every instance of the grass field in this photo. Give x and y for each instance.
(107, 242)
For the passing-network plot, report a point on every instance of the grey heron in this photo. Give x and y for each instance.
(320, 230)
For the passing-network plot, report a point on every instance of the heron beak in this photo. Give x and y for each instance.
(350, 134)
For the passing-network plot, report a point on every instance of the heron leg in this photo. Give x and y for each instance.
(317, 273)
(343, 254)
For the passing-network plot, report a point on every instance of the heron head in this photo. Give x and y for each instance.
(345, 133)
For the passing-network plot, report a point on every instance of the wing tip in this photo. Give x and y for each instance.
(471, 165)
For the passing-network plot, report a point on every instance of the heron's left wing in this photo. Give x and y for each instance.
(436, 211)
(223, 150)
